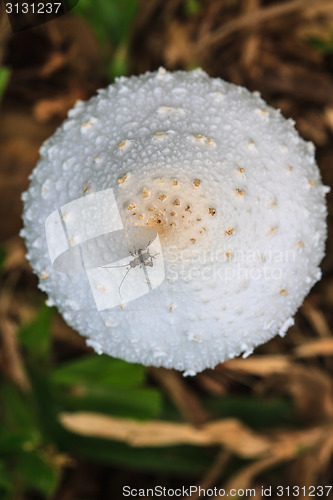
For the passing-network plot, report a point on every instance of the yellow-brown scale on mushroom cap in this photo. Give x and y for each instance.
(177, 212)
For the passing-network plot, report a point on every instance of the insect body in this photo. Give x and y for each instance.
(141, 258)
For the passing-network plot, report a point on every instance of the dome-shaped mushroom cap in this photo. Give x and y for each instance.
(233, 193)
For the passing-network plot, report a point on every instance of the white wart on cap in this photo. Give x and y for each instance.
(233, 192)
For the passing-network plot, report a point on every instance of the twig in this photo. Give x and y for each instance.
(317, 319)
(321, 347)
(11, 360)
(213, 473)
(181, 395)
(251, 44)
(252, 20)
(215, 386)
(5, 31)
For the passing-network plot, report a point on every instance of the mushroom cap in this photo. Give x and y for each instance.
(228, 186)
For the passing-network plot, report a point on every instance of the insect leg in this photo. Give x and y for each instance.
(122, 281)
(110, 267)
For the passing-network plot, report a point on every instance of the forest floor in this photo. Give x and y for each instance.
(281, 398)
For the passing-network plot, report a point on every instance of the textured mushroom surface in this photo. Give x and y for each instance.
(233, 192)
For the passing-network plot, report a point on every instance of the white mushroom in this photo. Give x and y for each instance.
(217, 180)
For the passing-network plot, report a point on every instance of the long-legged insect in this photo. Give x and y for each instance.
(142, 259)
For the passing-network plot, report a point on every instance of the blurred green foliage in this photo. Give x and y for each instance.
(111, 21)
(3, 255)
(257, 413)
(193, 7)
(35, 337)
(325, 46)
(106, 385)
(4, 78)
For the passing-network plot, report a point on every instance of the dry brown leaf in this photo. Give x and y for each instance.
(298, 82)
(263, 15)
(285, 446)
(291, 443)
(268, 451)
(58, 106)
(229, 433)
(322, 347)
(318, 27)
(315, 393)
(179, 46)
(56, 61)
(245, 477)
(251, 45)
(20, 138)
(312, 391)
(212, 474)
(309, 466)
(321, 459)
(15, 254)
(262, 366)
(5, 32)
(237, 438)
(211, 385)
(317, 319)
(329, 117)
(312, 126)
(11, 362)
